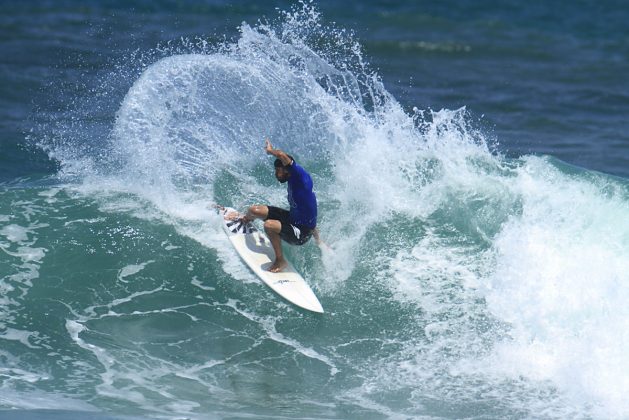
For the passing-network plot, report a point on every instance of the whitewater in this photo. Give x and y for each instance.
(462, 283)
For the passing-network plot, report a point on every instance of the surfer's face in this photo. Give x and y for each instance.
(281, 174)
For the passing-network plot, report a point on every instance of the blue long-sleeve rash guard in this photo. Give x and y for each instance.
(302, 200)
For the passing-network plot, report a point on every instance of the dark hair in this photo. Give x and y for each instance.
(278, 162)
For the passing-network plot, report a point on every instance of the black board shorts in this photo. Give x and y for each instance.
(293, 234)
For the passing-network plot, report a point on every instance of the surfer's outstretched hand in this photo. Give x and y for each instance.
(317, 238)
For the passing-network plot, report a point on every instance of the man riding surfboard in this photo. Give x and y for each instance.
(296, 225)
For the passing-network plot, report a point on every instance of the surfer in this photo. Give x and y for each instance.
(296, 225)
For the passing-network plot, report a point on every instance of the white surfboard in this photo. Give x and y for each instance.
(254, 247)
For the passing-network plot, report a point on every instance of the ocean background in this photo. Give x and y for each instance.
(471, 162)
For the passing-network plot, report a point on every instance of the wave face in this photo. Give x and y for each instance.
(461, 283)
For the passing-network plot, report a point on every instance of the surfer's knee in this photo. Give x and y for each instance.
(259, 212)
(274, 226)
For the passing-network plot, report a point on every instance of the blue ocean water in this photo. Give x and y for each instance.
(470, 161)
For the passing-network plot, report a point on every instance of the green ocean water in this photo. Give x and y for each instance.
(112, 303)
(463, 282)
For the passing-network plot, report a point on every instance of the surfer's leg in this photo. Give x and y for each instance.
(257, 212)
(273, 229)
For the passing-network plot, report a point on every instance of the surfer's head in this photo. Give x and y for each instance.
(281, 171)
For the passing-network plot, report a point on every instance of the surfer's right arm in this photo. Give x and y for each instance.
(286, 160)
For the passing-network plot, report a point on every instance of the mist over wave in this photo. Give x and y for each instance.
(501, 282)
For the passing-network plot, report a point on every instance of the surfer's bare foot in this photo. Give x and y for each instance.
(245, 219)
(232, 215)
(278, 265)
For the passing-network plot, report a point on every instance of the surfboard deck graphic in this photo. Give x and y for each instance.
(254, 247)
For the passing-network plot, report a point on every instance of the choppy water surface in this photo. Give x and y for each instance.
(470, 182)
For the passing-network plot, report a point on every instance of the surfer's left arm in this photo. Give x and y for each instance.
(317, 238)
(286, 160)
(315, 235)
